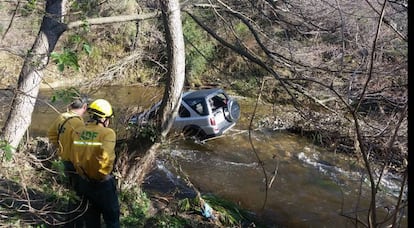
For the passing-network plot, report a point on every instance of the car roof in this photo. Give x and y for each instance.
(201, 93)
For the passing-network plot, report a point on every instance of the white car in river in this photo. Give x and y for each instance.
(205, 113)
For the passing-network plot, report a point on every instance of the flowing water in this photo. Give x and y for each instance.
(310, 187)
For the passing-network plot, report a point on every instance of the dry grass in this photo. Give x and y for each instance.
(32, 191)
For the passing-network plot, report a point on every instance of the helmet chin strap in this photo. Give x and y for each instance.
(100, 120)
(105, 122)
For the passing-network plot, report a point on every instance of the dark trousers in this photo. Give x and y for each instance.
(70, 173)
(103, 200)
(74, 218)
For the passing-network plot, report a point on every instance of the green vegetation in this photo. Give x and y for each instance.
(66, 59)
(226, 213)
(134, 207)
(144, 133)
(66, 95)
(246, 87)
(200, 50)
(230, 213)
(169, 221)
(6, 151)
(28, 8)
(76, 45)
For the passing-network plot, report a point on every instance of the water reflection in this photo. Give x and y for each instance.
(120, 97)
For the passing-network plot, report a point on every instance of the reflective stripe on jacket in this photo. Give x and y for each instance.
(93, 151)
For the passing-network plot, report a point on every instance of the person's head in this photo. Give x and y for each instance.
(78, 105)
(100, 111)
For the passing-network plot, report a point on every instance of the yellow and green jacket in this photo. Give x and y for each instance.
(60, 132)
(93, 151)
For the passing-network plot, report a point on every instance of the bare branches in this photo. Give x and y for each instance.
(244, 53)
(372, 58)
(328, 67)
(33, 206)
(11, 20)
(254, 149)
(111, 73)
(387, 21)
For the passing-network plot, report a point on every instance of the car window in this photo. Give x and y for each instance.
(218, 101)
(183, 112)
(198, 105)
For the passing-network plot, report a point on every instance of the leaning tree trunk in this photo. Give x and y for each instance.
(31, 75)
(176, 65)
(135, 173)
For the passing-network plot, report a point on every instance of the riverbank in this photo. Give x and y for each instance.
(44, 197)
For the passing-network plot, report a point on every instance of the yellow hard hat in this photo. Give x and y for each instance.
(101, 108)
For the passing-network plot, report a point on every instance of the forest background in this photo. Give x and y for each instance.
(336, 70)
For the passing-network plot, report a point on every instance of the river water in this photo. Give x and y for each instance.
(311, 187)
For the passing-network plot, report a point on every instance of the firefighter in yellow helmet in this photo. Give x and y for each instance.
(93, 157)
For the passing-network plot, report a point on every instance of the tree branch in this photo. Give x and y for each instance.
(113, 19)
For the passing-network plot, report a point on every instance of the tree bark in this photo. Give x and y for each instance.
(176, 64)
(134, 174)
(19, 118)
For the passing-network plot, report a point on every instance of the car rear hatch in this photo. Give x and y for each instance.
(219, 121)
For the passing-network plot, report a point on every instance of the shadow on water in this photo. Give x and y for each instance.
(311, 188)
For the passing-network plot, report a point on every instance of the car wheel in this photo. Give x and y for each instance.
(190, 131)
(232, 111)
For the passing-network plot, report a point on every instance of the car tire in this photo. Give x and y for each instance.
(190, 131)
(232, 111)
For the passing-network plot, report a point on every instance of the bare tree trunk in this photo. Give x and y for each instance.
(30, 77)
(176, 64)
(136, 172)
